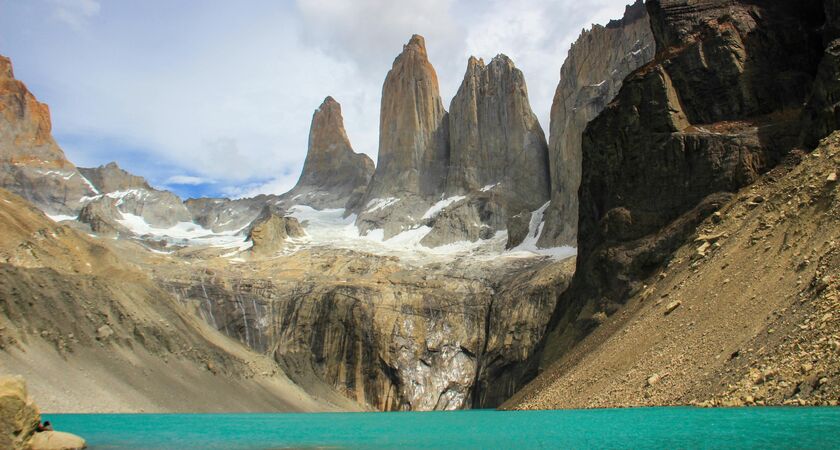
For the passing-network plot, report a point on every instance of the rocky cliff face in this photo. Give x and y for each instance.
(386, 334)
(31, 163)
(333, 173)
(590, 78)
(496, 146)
(719, 105)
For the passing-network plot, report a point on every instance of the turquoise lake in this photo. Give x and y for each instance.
(486, 429)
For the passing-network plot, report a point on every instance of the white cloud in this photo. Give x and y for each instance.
(75, 13)
(279, 185)
(187, 180)
(227, 94)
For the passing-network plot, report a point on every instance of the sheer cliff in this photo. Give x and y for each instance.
(719, 105)
(590, 78)
(31, 163)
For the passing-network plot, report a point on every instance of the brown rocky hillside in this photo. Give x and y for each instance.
(747, 311)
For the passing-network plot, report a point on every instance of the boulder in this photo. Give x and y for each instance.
(57, 440)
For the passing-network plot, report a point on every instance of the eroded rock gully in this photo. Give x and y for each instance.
(388, 335)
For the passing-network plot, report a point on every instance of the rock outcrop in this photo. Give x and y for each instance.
(718, 106)
(19, 420)
(496, 146)
(413, 142)
(31, 163)
(590, 78)
(270, 231)
(333, 173)
(19, 417)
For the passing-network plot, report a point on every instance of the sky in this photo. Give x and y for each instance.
(215, 98)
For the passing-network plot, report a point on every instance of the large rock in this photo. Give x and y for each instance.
(717, 107)
(822, 113)
(270, 231)
(19, 417)
(31, 163)
(413, 136)
(332, 172)
(57, 440)
(590, 78)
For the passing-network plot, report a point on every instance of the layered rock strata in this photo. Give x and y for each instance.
(590, 78)
(387, 334)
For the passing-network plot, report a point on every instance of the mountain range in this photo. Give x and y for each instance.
(674, 230)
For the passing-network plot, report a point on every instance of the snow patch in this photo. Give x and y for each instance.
(185, 233)
(528, 247)
(441, 205)
(61, 217)
(380, 203)
(489, 187)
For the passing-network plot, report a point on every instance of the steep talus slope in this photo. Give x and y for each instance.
(31, 163)
(717, 107)
(92, 332)
(333, 173)
(590, 79)
(744, 312)
(387, 334)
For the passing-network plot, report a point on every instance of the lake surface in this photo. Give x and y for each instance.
(611, 428)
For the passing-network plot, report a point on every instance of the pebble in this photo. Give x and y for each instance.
(672, 306)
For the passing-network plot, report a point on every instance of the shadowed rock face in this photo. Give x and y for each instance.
(332, 172)
(590, 78)
(31, 163)
(718, 106)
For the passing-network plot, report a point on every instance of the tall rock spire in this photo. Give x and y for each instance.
(332, 171)
(413, 147)
(495, 138)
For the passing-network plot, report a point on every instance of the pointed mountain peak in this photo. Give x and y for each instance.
(502, 59)
(417, 44)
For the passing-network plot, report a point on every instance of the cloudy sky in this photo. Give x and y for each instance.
(215, 97)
